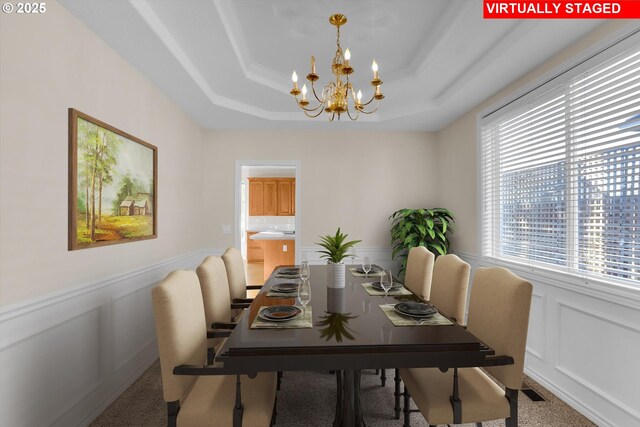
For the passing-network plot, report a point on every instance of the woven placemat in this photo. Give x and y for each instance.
(282, 294)
(400, 320)
(379, 273)
(377, 293)
(300, 322)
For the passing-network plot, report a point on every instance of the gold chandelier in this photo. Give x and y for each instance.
(334, 98)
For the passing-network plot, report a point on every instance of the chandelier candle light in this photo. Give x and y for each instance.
(334, 98)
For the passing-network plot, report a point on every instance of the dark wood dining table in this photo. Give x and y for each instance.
(371, 340)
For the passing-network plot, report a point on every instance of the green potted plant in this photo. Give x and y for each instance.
(335, 251)
(420, 227)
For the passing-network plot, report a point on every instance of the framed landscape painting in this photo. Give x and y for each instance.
(113, 182)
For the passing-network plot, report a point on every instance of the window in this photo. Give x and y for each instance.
(560, 173)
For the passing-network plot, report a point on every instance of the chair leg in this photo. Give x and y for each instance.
(407, 408)
(512, 397)
(279, 380)
(274, 413)
(172, 413)
(478, 424)
(383, 377)
(396, 393)
(210, 355)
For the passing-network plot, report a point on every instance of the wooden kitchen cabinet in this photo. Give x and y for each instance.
(272, 196)
(255, 248)
(256, 197)
(284, 198)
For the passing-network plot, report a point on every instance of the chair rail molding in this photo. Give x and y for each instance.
(582, 341)
(75, 351)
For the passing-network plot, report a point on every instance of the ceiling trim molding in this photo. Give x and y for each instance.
(447, 23)
(250, 68)
(160, 30)
(518, 30)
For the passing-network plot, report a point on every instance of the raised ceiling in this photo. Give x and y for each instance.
(228, 63)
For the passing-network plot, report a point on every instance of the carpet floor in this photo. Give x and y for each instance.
(308, 399)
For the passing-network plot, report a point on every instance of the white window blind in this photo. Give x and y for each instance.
(560, 174)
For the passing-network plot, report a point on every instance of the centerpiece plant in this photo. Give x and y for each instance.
(336, 248)
(420, 227)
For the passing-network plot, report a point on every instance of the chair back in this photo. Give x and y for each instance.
(215, 290)
(499, 316)
(417, 276)
(235, 273)
(449, 286)
(181, 330)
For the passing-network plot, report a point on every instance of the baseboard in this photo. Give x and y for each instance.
(75, 351)
(568, 399)
(117, 391)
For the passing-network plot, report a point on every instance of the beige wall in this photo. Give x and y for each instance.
(352, 180)
(48, 64)
(457, 146)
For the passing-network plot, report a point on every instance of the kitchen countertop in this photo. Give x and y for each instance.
(274, 235)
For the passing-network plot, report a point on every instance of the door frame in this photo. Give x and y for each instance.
(238, 180)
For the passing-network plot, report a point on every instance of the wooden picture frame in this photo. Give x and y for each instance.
(113, 185)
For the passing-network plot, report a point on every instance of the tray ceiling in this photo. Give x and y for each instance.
(228, 63)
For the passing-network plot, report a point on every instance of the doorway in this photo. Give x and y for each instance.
(282, 178)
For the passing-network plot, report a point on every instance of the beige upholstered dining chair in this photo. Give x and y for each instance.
(448, 293)
(449, 286)
(417, 276)
(201, 400)
(499, 316)
(234, 265)
(217, 302)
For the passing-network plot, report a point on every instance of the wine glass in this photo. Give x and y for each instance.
(304, 270)
(386, 282)
(304, 295)
(366, 267)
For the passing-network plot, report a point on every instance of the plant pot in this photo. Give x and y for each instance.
(335, 275)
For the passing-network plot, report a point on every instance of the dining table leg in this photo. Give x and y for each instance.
(348, 407)
(338, 415)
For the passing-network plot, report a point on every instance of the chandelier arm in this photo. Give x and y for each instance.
(313, 116)
(371, 100)
(372, 111)
(308, 109)
(313, 89)
(353, 119)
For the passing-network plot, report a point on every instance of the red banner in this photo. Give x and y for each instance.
(586, 9)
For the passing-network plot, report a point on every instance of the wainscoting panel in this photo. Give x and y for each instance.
(588, 338)
(68, 355)
(61, 363)
(134, 308)
(583, 343)
(536, 345)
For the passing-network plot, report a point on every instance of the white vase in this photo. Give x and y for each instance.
(335, 275)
